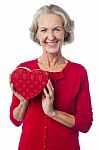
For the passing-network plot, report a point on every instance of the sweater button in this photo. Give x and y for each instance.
(55, 81)
(44, 146)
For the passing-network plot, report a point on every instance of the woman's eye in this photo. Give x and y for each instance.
(57, 29)
(43, 30)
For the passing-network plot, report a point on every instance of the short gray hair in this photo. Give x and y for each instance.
(53, 9)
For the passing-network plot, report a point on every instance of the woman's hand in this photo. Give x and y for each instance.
(48, 99)
(47, 104)
(20, 110)
(21, 98)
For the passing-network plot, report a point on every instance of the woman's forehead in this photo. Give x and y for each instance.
(52, 19)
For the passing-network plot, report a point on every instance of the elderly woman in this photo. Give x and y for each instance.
(52, 121)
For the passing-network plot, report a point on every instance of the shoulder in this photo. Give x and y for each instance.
(77, 70)
(77, 67)
(31, 64)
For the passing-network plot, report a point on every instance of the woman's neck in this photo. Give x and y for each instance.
(51, 61)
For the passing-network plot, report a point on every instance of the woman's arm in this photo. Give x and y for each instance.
(20, 110)
(63, 118)
(47, 104)
(82, 120)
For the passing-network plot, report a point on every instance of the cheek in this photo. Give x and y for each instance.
(60, 37)
(41, 38)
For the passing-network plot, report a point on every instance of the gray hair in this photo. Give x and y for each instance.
(53, 9)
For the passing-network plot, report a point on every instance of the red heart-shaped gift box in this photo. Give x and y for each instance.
(29, 83)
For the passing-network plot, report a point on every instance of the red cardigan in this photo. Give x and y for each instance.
(40, 132)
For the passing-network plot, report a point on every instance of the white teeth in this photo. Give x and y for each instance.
(51, 43)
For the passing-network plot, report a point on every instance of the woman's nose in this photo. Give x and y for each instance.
(51, 35)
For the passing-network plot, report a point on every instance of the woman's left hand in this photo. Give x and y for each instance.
(48, 99)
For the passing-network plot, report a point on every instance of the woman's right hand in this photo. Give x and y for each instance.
(19, 96)
(20, 110)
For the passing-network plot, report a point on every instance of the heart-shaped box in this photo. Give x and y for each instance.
(29, 83)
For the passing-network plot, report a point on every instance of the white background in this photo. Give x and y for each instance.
(16, 46)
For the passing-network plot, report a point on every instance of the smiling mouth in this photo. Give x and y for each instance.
(51, 43)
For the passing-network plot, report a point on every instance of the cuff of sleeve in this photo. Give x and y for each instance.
(14, 121)
(82, 125)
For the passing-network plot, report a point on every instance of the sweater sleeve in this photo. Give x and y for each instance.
(14, 104)
(84, 115)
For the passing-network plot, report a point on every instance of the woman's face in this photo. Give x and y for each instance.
(50, 32)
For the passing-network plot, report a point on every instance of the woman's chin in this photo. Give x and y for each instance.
(52, 50)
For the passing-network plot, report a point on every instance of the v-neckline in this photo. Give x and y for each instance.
(54, 76)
